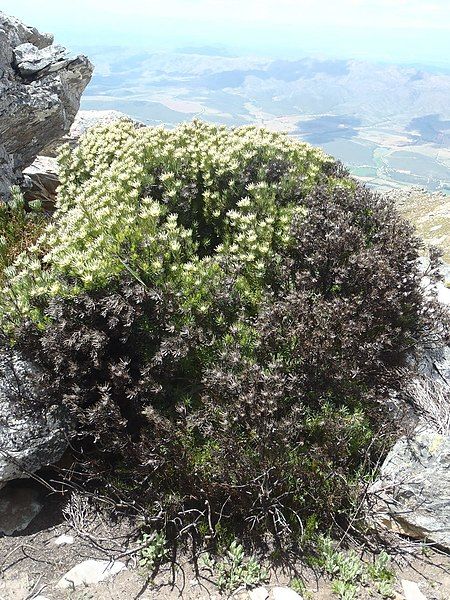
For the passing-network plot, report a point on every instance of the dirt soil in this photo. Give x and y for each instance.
(31, 563)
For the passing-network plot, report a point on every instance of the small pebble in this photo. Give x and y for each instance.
(258, 594)
(284, 593)
(412, 590)
(62, 540)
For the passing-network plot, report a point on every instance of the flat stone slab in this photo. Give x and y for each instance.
(259, 593)
(89, 572)
(31, 60)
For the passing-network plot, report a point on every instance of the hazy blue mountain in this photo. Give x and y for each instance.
(390, 124)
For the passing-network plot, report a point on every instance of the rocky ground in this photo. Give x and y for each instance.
(34, 561)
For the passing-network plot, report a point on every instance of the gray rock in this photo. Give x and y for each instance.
(18, 33)
(412, 590)
(442, 365)
(7, 174)
(30, 60)
(283, 593)
(41, 180)
(435, 365)
(18, 507)
(413, 491)
(90, 571)
(29, 439)
(259, 593)
(40, 89)
(64, 540)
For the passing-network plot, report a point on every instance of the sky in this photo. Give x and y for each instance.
(398, 31)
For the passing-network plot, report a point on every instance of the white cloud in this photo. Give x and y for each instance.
(381, 13)
(302, 13)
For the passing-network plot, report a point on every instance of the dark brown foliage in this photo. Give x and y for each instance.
(269, 431)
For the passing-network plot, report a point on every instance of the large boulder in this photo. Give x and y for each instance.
(29, 438)
(413, 492)
(40, 89)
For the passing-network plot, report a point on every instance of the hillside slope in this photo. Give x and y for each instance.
(430, 213)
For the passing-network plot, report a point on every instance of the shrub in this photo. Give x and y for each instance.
(153, 551)
(235, 570)
(20, 225)
(223, 312)
(349, 573)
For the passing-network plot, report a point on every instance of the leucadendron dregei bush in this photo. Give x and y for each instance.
(223, 312)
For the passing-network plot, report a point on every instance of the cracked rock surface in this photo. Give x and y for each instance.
(29, 439)
(40, 89)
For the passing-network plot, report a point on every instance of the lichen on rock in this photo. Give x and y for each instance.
(29, 439)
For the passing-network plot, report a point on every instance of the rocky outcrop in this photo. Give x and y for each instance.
(40, 89)
(413, 493)
(29, 439)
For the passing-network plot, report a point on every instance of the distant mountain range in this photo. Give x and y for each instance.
(389, 124)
